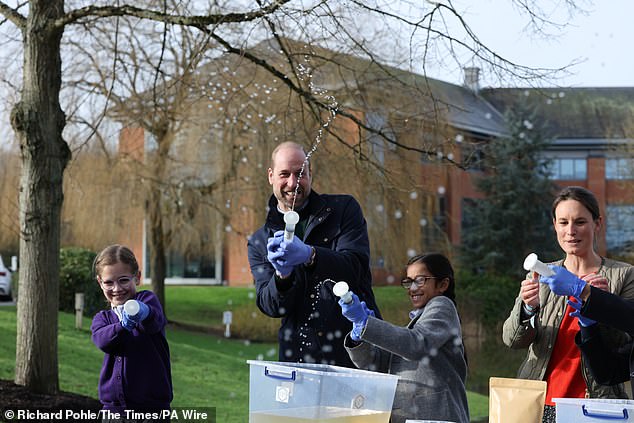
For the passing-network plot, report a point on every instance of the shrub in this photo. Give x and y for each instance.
(76, 276)
(492, 296)
(250, 323)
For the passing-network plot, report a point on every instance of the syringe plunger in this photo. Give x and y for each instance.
(532, 263)
(290, 219)
(341, 290)
(131, 307)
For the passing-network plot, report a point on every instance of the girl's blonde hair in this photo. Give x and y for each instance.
(114, 254)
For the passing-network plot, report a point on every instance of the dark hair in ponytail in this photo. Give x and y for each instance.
(440, 267)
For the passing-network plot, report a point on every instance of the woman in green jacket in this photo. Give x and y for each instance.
(541, 321)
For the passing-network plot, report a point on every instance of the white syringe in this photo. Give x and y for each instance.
(532, 263)
(131, 307)
(290, 219)
(342, 291)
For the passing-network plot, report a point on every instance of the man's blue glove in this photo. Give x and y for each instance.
(273, 249)
(126, 322)
(563, 282)
(583, 321)
(282, 269)
(296, 252)
(143, 313)
(275, 255)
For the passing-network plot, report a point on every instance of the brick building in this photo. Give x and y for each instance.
(418, 193)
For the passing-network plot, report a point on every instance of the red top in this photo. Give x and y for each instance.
(563, 375)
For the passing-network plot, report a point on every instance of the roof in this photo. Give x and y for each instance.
(409, 93)
(574, 113)
(467, 110)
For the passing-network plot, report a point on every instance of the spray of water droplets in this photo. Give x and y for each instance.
(304, 328)
(305, 74)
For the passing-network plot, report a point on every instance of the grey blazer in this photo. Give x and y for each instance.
(428, 357)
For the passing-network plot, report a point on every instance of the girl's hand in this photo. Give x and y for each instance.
(529, 291)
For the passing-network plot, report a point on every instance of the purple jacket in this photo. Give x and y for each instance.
(136, 373)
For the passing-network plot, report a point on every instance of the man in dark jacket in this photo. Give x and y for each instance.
(294, 280)
(609, 365)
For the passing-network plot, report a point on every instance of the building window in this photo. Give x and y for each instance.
(619, 234)
(619, 168)
(180, 266)
(568, 169)
(378, 143)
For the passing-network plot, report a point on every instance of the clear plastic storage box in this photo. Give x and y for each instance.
(595, 410)
(300, 392)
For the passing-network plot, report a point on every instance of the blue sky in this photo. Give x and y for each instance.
(600, 38)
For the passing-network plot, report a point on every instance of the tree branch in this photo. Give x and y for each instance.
(13, 15)
(311, 99)
(195, 21)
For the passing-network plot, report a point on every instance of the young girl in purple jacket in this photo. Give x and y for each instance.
(135, 374)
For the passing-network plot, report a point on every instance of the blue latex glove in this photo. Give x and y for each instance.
(583, 321)
(563, 282)
(144, 311)
(282, 269)
(275, 255)
(357, 330)
(126, 322)
(273, 249)
(296, 252)
(367, 310)
(356, 311)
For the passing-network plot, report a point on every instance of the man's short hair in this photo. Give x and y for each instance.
(287, 144)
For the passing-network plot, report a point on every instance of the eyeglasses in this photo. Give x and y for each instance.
(123, 282)
(419, 280)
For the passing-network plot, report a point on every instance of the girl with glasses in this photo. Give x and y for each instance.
(135, 374)
(428, 354)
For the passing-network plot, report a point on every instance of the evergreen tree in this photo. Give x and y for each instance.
(513, 219)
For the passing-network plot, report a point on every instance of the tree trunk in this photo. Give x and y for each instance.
(38, 122)
(218, 247)
(158, 262)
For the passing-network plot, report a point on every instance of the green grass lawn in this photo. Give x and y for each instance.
(207, 371)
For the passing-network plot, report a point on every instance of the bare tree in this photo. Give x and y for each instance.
(152, 87)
